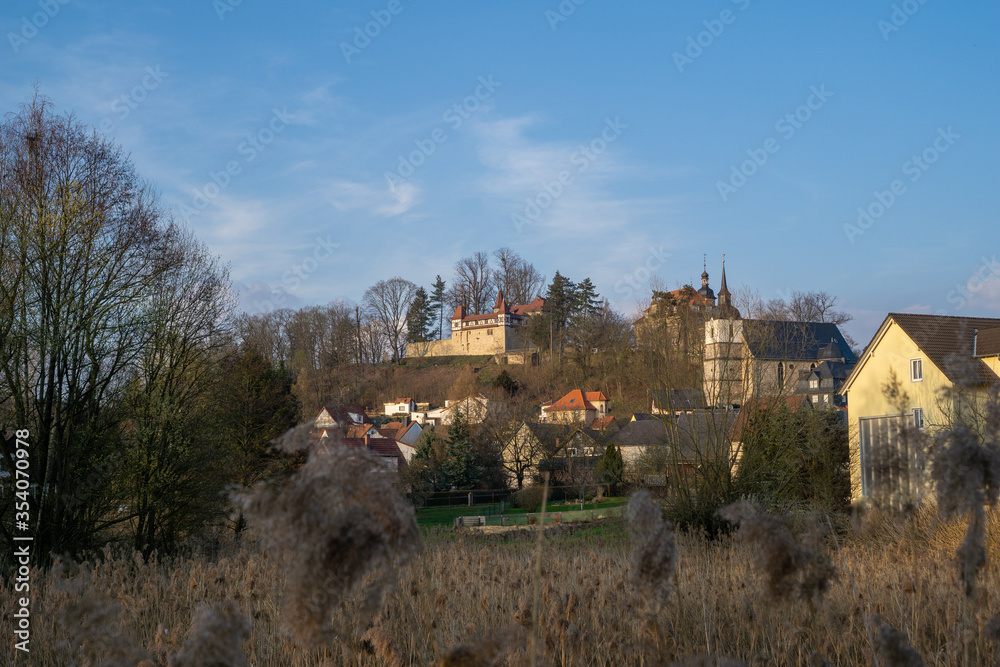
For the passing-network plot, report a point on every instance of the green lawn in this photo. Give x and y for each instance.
(445, 516)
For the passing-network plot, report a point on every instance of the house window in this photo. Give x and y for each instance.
(814, 384)
(918, 418)
(815, 398)
(490, 332)
(826, 398)
(916, 370)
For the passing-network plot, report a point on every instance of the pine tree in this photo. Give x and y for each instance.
(418, 318)
(459, 468)
(560, 300)
(437, 304)
(611, 468)
(587, 300)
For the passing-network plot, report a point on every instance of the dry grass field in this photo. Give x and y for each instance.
(467, 599)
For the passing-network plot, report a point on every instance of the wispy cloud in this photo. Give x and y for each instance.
(373, 198)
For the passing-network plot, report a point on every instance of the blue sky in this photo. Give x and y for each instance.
(611, 140)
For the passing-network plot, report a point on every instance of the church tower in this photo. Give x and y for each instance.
(705, 290)
(726, 309)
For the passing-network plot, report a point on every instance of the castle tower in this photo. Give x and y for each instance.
(705, 290)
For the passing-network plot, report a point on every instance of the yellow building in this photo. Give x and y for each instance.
(498, 332)
(938, 365)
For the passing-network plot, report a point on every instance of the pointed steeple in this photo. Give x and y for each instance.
(723, 289)
(501, 305)
(726, 308)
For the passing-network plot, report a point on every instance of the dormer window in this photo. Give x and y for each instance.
(916, 370)
(814, 383)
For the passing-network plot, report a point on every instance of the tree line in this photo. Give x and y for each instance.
(118, 351)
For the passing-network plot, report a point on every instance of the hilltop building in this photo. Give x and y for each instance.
(502, 331)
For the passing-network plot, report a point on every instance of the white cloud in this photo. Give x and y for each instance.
(386, 202)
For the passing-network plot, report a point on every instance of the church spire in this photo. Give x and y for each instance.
(723, 289)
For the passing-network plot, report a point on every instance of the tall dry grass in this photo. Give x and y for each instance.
(466, 599)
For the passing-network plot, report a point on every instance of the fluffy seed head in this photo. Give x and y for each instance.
(654, 554)
(216, 638)
(336, 520)
(894, 647)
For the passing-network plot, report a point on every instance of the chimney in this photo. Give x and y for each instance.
(975, 335)
(366, 442)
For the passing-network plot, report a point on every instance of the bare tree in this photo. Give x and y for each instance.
(388, 301)
(519, 279)
(92, 244)
(173, 473)
(473, 286)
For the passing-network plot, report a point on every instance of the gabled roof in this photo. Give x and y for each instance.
(575, 400)
(358, 430)
(946, 340)
(535, 306)
(798, 341)
(602, 423)
(551, 436)
(403, 400)
(347, 414)
(692, 435)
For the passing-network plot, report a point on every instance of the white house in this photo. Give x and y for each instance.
(401, 406)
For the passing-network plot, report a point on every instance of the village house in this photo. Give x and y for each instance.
(941, 367)
(576, 407)
(501, 332)
(474, 410)
(543, 444)
(400, 406)
(664, 451)
(340, 416)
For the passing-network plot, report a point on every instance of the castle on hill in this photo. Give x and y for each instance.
(501, 332)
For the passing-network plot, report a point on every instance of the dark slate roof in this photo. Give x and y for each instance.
(798, 341)
(693, 435)
(678, 399)
(827, 370)
(643, 416)
(947, 342)
(342, 414)
(550, 435)
(988, 342)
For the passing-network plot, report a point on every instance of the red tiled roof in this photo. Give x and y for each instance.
(535, 306)
(358, 430)
(459, 313)
(381, 446)
(402, 400)
(601, 423)
(501, 305)
(596, 396)
(574, 400)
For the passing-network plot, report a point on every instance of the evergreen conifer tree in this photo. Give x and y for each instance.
(437, 304)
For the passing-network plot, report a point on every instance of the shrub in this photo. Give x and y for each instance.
(529, 498)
